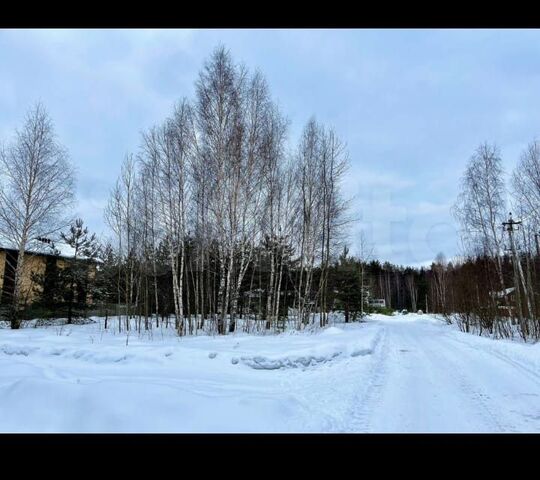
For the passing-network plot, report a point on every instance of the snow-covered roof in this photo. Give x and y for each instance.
(43, 248)
(65, 250)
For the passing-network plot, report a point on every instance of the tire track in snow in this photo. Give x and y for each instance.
(358, 417)
(433, 369)
(328, 396)
(473, 392)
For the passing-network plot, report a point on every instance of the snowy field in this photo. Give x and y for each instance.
(407, 373)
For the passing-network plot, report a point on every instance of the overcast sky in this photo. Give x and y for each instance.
(412, 105)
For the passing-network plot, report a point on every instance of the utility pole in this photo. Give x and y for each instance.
(510, 226)
(361, 289)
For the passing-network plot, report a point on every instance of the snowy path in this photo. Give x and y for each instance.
(391, 374)
(429, 378)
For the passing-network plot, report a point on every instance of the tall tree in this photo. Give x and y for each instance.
(77, 272)
(36, 188)
(480, 207)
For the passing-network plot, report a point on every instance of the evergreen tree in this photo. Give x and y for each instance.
(345, 286)
(78, 279)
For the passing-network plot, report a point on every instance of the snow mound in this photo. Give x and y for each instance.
(265, 363)
(325, 350)
(17, 350)
(105, 355)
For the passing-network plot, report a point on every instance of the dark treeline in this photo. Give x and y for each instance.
(469, 292)
(400, 287)
(350, 284)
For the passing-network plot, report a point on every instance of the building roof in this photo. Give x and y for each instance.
(37, 247)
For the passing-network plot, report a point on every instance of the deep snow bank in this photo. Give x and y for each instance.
(84, 379)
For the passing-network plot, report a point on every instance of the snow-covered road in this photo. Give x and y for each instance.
(407, 373)
(428, 378)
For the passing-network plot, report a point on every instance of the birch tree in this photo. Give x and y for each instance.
(37, 184)
(176, 141)
(120, 215)
(480, 207)
(309, 219)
